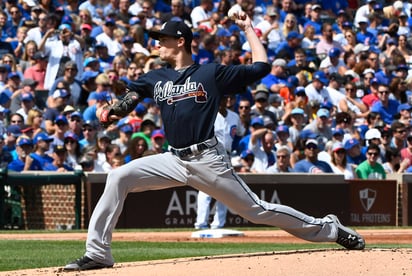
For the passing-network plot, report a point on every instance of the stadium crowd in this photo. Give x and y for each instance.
(338, 98)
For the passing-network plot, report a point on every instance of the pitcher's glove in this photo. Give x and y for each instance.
(110, 113)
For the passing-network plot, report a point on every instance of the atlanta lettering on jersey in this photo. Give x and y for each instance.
(177, 92)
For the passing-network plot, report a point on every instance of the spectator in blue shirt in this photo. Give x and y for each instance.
(311, 164)
(386, 107)
(23, 149)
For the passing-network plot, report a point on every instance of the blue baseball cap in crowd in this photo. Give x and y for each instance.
(89, 60)
(300, 91)
(134, 21)
(402, 67)
(14, 130)
(140, 109)
(149, 101)
(61, 119)
(76, 114)
(24, 141)
(42, 137)
(347, 24)
(351, 143)
(60, 93)
(223, 33)
(307, 134)
(67, 20)
(297, 111)
(88, 75)
(246, 153)
(378, 7)
(100, 45)
(13, 75)
(320, 76)
(327, 105)
(292, 81)
(334, 52)
(65, 27)
(392, 41)
(323, 112)
(126, 129)
(71, 135)
(404, 106)
(294, 34)
(257, 121)
(26, 97)
(158, 133)
(374, 80)
(282, 128)
(127, 39)
(337, 131)
(109, 21)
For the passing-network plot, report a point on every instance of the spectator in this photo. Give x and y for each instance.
(394, 163)
(202, 13)
(404, 114)
(271, 29)
(111, 152)
(386, 107)
(136, 149)
(261, 97)
(315, 20)
(311, 164)
(339, 161)
(107, 38)
(89, 133)
(24, 149)
(26, 60)
(282, 164)
(37, 72)
(316, 91)
(36, 34)
(27, 104)
(276, 79)
(246, 161)
(61, 126)
(373, 96)
(158, 140)
(67, 47)
(94, 9)
(320, 126)
(71, 143)
(35, 120)
(282, 133)
(371, 168)
(287, 48)
(255, 124)
(146, 128)
(41, 145)
(262, 143)
(326, 41)
(353, 152)
(60, 101)
(59, 156)
(398, 140)
(125, 133)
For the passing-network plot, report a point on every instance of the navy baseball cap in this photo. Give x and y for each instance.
(337, 131)
(351, 143)
(300, 91)
(294, 34)
(24, 141)
(307, 134)
(71, 135)
(292, 81)
(87, 75)
(26, 97)
(246, 153)
(127, 39)
(61, 119)
(14, 130)
(282, 128)
(257, 121)
(174, 29)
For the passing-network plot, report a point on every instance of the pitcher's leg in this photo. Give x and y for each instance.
(138, 175)
(203, 210)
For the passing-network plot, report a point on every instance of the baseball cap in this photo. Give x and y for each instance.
(223, 33)
(24, 141)
(134, 21)
(374, 81)
(40, 55)
(297, 111)
(337, 131)
(87, 62)
(282, 128)
(13, 75)
(279, 62)
(334, 52)
(337, 146)
(257, 121)
(103, 135)
(320, 76)
(127, 39)
(158, 133)
(71, 135)
(92, 124)
(26, 97)
(246, 153)
(61, 119)
(323, 112)
(368, 71)
(275, 98)
(109, 21)
(140, 109)
(307, 134)
(402, 67)
(316, 6)
(174, 29)
(351, 143)
(65, 26)
(347, 24)
(60, 93)
(311, 141)
(360, 47)
(42, 137)
(100, 44)
(372, 134)
(404, 106)
(300, 91)
(76, 114)
(59, 148)
(86, 26)
(294, 34)
(87, 75)
(126, 128)
(14, 130)
(29, 82)
(261, 92)
(292, 81)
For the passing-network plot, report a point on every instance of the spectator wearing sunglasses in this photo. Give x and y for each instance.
(371, 168)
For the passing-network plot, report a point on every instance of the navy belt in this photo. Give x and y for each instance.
(194, 149)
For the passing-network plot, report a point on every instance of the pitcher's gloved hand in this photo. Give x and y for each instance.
(104, 115)
(126, 105)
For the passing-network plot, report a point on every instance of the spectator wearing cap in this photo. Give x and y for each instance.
(36, 33)
(339, 162)
(373, 96)
(125, 134)
(12, 133)
(75, 120)
(386, 107)
(287, 48)
(311, 164)
(316, 91)
(295, 120)
(401, 72)
(89, 130)
(246, 160)
(61, 126)
(178, 11)
(27, 104)
(374, 136)
(102, 54)
(59, 156)
(363, 35)
(321, 125)
(367, 75)
(301, 63)
(332, 62)
(351, 103)
(107, 37)
(37, 72)
(158, 141)
(259, 109)
(371, 168)
(277, 78)
(255, 124)
(392, 11)
(24, 147)
(127, 48)
(276, 105)
(71, 143)
(404, 114)
(41, 144)
(13, 85)
(69, 78)
(354, 152)
(282, 133)
(341, 16)
(85, 34)
(326, 42)
(60, 101)
(147, 126)
(101, 99)
(67, 47)
(315, 19)
(364, 11)
(261, 143)
(271, 29)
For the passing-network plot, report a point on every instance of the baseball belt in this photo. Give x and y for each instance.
(194, 149)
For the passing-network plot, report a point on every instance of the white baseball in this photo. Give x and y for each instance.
(236, 9)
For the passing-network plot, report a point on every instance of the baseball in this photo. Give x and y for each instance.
(234, 10)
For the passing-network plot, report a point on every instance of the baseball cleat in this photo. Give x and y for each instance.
(85, 263)
(347, 237)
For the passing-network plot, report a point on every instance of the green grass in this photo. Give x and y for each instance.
(26, 254)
